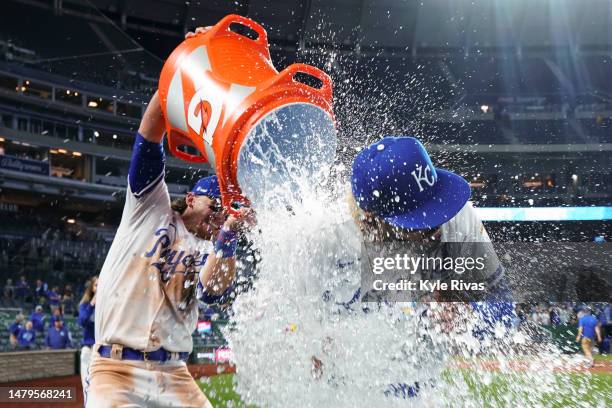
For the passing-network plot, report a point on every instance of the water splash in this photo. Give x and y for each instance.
(301, 338)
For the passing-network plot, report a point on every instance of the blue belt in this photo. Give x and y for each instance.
(131, 354)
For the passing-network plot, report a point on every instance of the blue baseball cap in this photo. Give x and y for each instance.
(207, 186)
(395, 179)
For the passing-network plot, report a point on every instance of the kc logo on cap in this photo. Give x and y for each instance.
(423, 176)
(395, 179)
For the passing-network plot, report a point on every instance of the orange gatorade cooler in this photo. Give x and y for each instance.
(225, 104)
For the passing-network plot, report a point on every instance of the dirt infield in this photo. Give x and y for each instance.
(208, 370)
(74, 381)
(602, 367)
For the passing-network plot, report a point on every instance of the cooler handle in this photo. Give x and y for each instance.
(326, 88)
(230, 198)
(223, 27)
(175, 140)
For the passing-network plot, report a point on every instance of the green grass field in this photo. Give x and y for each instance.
(595, 388)
(220, 389)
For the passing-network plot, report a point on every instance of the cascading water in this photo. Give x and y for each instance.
(301, 337)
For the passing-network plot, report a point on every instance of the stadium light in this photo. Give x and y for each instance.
(545, 213)
(62, 151)
(484, 108)
(115, 136)
(77, 154)
(71, 221)
(96, 133)
(2, 139)
(52, 151)
(92, 104)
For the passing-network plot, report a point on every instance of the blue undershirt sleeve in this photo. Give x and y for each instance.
(146, 166)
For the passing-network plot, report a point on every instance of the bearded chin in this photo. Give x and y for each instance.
(204, 232)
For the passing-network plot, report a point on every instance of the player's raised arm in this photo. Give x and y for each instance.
(148, 159)
(152, 123)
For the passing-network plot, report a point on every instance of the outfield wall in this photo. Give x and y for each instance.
(30, 365)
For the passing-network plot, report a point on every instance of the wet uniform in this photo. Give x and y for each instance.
(147, 298)
(344, 296)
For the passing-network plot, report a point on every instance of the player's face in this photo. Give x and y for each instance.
(208, 215)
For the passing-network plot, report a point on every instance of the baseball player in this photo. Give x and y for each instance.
(589, 330)
(163, 257)
(398, 196)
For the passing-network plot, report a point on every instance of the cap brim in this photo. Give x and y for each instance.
(452, 192)
(209, 194)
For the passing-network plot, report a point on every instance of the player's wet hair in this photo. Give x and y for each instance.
(375, 226)
(180, 204)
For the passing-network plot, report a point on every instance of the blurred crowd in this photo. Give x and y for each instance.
(56, 321)
(23, 294)
(23, 333)
(53, 316)
(547, 314)
(564, 313)
(52, 255)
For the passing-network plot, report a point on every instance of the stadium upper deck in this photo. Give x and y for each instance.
(70, 104)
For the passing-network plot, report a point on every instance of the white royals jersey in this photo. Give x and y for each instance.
(465, 227)
(146, 295)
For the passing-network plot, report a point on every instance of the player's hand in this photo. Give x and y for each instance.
(199, 30)
(244, 219)
(93, 301)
